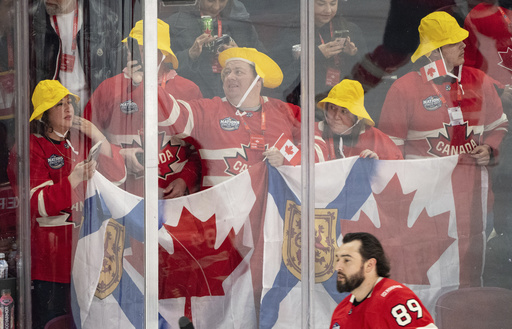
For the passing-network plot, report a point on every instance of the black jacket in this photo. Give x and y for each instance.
(98, 41)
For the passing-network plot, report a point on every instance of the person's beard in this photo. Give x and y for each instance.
(351, 283)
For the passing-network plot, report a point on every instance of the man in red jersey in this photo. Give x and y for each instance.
(375, 300)
(443, 109)
(117, 108)
(237, 131)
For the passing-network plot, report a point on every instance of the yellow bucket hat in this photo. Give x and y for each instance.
(436, 30)
(163, 42)
(46, 95)
(266, 68)
(350, 95)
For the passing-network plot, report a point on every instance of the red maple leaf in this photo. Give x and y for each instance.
(168, 154)
(196, 268)
(455, 141)
(506, 59)
(431, 71)
(242, 161)
(411, 250)
(288, 149)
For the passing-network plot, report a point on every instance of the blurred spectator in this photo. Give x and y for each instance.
(446, 109)
(348, 130)
(76, 42)
(197, 46)
(488, 48)
(238, 131)
(400, 40)
(117, 108)
(458, 101)
(339, 45)
(490, 33)
(59, 146)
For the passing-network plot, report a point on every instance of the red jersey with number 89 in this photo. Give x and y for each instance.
(390, 305)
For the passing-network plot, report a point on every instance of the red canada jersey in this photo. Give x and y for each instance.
(56, 208)
(489, 45)
(389, 305)
(369, 138)
(222, 134)
(117, 109)
(417, 120)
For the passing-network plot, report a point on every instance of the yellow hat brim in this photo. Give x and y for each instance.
(355, 109)
(163, 41)
(43, 105)
(426, 47)
(265, 66)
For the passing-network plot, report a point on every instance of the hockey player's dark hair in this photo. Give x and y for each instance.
(371, 248)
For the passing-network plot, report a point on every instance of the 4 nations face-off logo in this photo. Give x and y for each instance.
(455, 140)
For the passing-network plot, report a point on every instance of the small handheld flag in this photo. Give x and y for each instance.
(290, 152)
(433, 70)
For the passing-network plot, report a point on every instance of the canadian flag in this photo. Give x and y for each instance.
(433, 70)
(288, 149)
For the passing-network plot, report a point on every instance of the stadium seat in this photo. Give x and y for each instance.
(485, 307)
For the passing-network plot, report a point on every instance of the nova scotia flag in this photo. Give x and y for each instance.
(107, 275)
(408, 205)
(343, 191)
(230, 256)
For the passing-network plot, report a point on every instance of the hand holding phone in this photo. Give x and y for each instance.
(341, 36)
(94, 152)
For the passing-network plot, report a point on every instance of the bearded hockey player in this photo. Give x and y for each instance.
(375, 300)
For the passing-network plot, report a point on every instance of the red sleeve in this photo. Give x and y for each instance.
(296, 112)
(472, 56)
(294, 116)
(184, 89)
(321, 150)
(394, 116)
(384, 147)
(496, 122)
(191, 172)
(112, 168)
(97, 109)
(173, 115)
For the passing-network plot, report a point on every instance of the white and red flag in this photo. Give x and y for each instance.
(433, 70)
(290, 152)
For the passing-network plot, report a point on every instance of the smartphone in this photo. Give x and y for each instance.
(94, 152)
(133, 46)
(341, 36)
